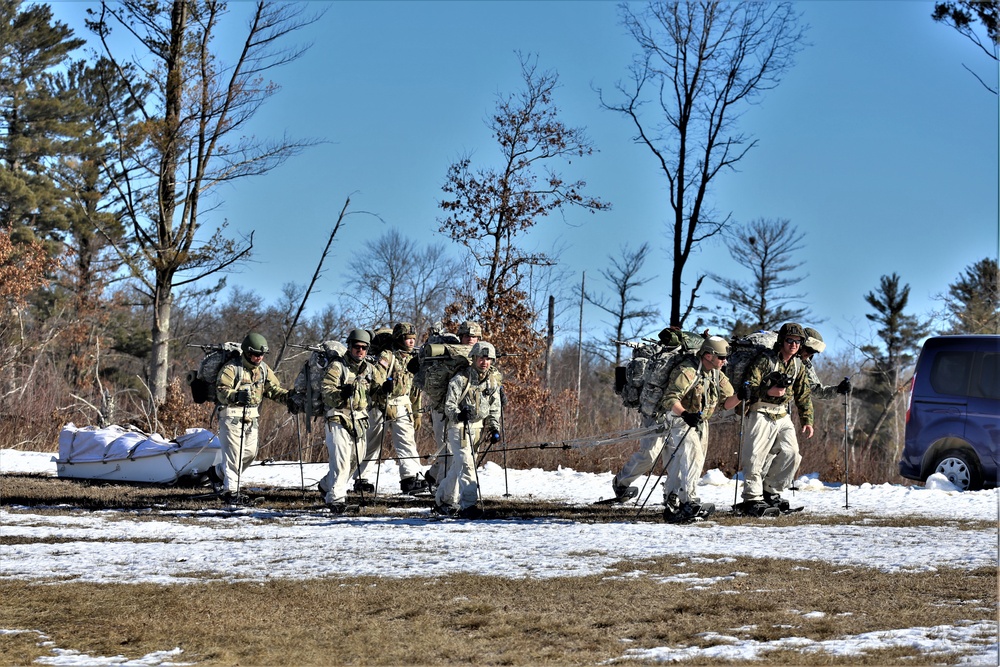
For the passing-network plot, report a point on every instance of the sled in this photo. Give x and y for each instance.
(115, 454)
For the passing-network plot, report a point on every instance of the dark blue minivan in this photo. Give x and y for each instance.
(953, 420)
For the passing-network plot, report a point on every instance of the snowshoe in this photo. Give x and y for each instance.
(755, 508)
(444, 510)
(688, 512)
(473, 512)
(414, 486)
(775, 500)
(338, 509)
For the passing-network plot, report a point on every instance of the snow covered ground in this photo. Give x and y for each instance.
(300, 545)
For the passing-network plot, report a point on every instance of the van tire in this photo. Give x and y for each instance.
(961, 467)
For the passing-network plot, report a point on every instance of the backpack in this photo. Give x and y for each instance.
(744, 352)
(651, 365)
(307, 395)
(438, 364)
(381, 341)
(203, 380)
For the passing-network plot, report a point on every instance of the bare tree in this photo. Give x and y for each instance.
(699, 64)
(765, 248)
(629, 315)
(395, 280)
(192, 139)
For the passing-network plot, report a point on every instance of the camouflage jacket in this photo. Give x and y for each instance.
(391, 364)
(260, 380)
(818, 389)
(480, 393)
(694, 389)
(799, 391)
(346, 371)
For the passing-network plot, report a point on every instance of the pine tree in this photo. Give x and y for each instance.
(972, 302)
(38, 121)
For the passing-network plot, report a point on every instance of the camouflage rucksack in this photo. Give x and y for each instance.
(308, 393)
(203, 380)
(642, 380)
(439, 362)
(744, 351)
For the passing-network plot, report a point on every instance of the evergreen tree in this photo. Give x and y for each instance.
(38, 121)
(972, 304)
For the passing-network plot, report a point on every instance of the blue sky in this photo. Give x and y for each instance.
(877, 145)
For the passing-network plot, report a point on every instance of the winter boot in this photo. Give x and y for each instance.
(431, 483)
(322, 489)
(337, 508)
(413, 485)
(362, 485)
(444, 510)
(623, 492)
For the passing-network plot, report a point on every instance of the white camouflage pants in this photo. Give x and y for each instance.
(401, 431)
(343, 450)
(685, 463)
(769, 455)
(238, 438)
(460, 487)
(439, 463)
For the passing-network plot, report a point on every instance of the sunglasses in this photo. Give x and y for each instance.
(359, 346)
(722, 357)
(792, 341)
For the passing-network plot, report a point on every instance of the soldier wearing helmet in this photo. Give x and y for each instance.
(472, 407)
(241, 387)
(469, 334)
(392, 409)
(769, 453)
(346, 391)
(812, 346)
(695, 388)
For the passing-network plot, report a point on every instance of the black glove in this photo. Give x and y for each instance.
(347, 391)
(388, 386)
(692, 419)
(242, 397)
(464, 414)
(844, 387)
(413, 365)
(743, 392)
(494, 435)
(290, 403)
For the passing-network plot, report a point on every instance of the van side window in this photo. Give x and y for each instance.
(950, 372)
(989, 376)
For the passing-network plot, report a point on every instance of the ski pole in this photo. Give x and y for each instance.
(475, 469)
(847, 407)
(302, 471)
(239, 465)
(739, 451)
(666, 466)
(654, 453)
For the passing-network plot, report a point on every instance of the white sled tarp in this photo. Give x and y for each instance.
(116, 454)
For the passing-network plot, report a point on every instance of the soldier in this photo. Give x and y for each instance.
(241, 387)
(346, 388)
(769, 453)
(812, 346)
(469, 334)
(392, 407)
(472, 405)
(693, 391)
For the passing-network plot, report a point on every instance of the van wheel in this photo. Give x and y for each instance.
(961, 469)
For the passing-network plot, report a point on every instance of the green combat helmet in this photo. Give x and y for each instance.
(254, 343)
(717, 345)
(483, 349)
(403, 330)
(789, 329)
(814, 342)
(468, 328)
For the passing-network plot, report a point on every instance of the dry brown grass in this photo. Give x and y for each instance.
(466, 619)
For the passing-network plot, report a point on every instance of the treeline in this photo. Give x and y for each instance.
(111, 277)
